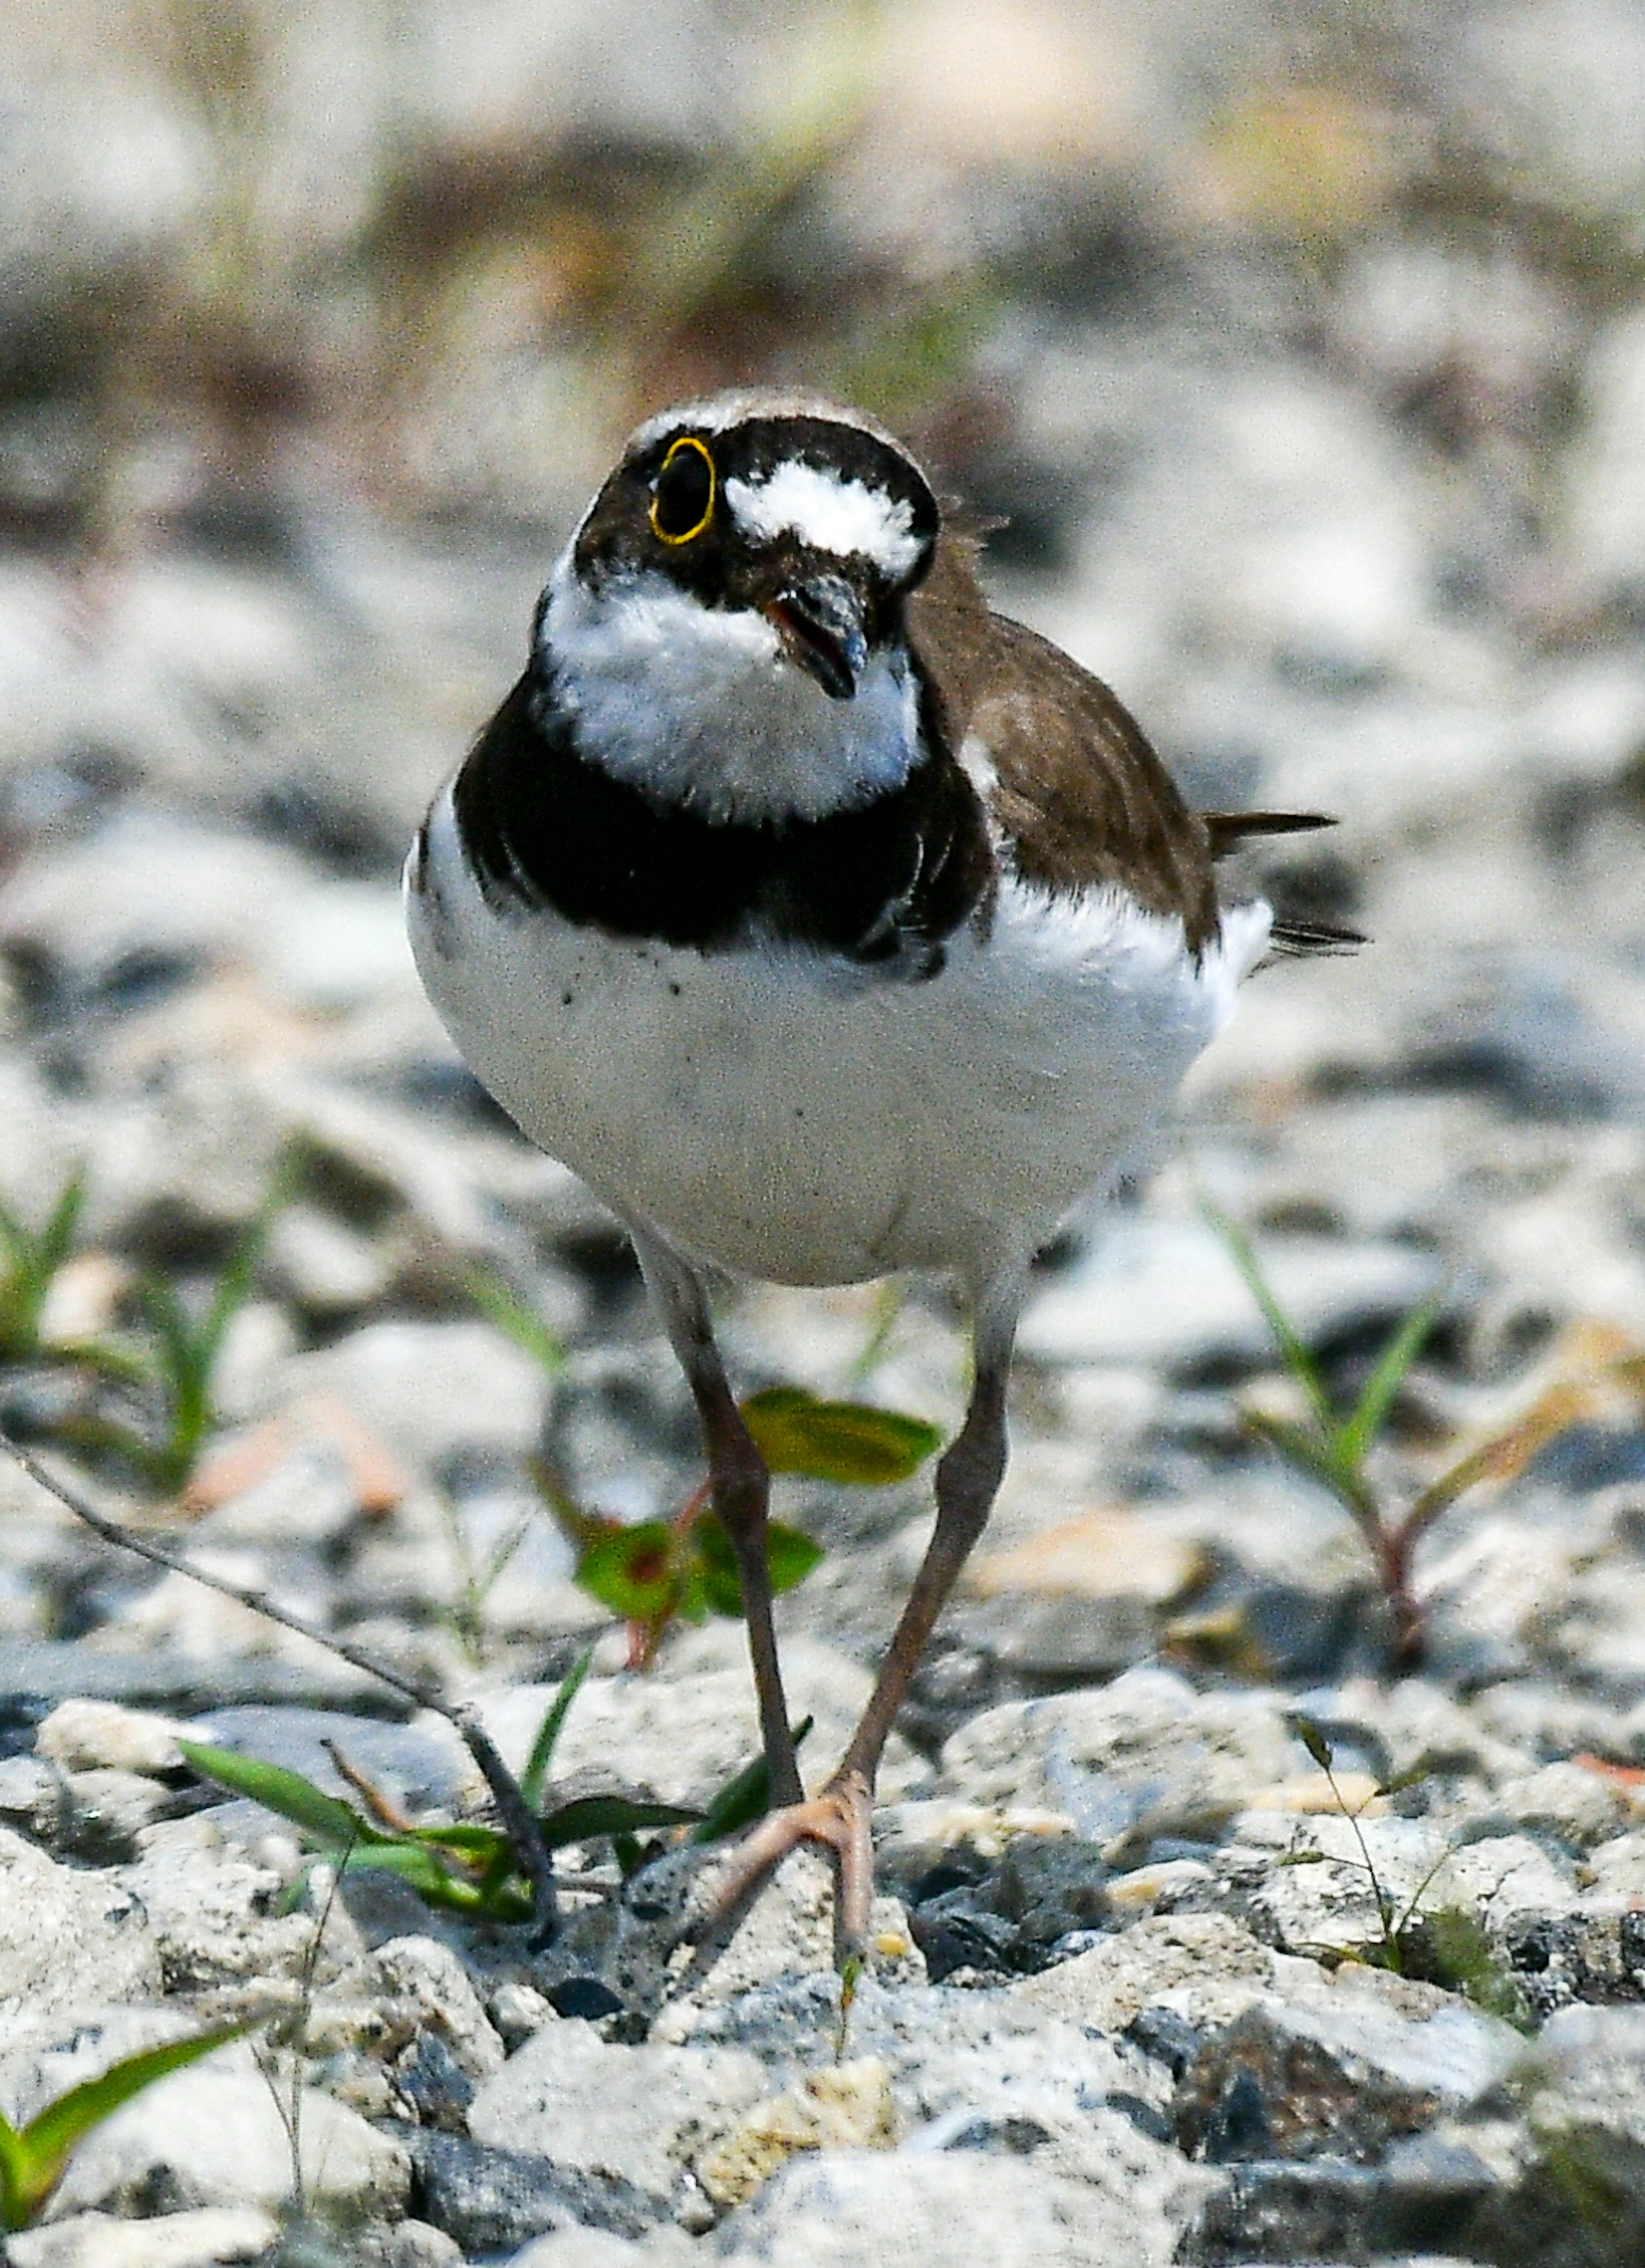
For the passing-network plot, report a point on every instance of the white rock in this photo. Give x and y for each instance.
(81, 1735)
(945, 2209)
(597, 2248)
(203, 2238)
(1161, 1290)
(428, 1388)
(642, 2113)
(1147, 1756)
(211, 2135)
(68, 1938)
(684, 1734)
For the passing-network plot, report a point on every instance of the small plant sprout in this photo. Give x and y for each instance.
(30, 1260)
(1445, 1945)
(178, 1370)
(34, 2158)
(469, 1869)
(1593, 1364)
(656, 1571)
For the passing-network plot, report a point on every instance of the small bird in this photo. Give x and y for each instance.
(827, 923)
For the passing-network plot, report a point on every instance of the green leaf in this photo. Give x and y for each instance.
(1311, 1737)
(542, 1748)
(634, 1570)
(1320, 1458)
(57, 1237)
(589, 1816)
(1298, 1360)
(745, 1797)
(326, 1818)
(503, 1308)
(32, 2162)
(1385, 1381)
(849, 1442)
(789, 1555)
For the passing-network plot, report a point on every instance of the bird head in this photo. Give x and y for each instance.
(728, 622)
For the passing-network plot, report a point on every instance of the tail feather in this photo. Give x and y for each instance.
(1227, 829)
(1291, 940)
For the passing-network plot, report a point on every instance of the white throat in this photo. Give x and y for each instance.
(699, 707)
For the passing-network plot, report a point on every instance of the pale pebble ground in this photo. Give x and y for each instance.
(1311, 368)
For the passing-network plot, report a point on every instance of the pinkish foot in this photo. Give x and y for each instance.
(839, 1820)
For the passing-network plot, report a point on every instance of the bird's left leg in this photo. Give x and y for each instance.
(739, 1484)
(968, 1480)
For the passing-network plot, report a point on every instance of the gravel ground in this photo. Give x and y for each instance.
(1359, 529)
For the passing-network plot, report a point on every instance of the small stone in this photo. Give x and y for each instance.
(491, 2200)
(1160, 1886)
(1166, 1291)
(33, 1797)
(108, 1811)
(415, 2244)
(427, 1975)
(598, 2248)
(1146, 1756)
(70, 1938)
(93, 1735)
(212, 2135)
(205, 2238)
(846, 2106)
(639, 2113)
(944, 2209)
(1583, 1808)
(1336, 2076)
(517, 2010)
(1206, 1967)
(1084, 1597)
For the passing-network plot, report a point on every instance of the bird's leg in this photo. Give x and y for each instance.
(968, 1480)
(740, 1486)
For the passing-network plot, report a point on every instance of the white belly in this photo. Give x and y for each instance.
(786, 1119)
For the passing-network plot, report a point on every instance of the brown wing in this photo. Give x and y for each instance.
(1080, 795)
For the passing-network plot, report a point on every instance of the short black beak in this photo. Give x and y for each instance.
(820, 624)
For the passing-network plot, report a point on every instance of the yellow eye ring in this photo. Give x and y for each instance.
(687, 441)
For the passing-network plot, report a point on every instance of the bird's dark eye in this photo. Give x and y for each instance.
(683, 502)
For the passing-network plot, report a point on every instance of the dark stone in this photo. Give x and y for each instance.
(497, 2200)
(1167, 2036)
(1237, 2127)
(435, 2084)
(1329, 2210)
(588, 1997)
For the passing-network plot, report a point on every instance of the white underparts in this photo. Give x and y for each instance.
(695, 706)
(828, 514)
(762, 1115)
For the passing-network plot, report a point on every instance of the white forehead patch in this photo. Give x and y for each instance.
(829, 514)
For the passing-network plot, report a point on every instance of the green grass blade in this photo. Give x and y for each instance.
(1321, 1459)
(14, 2211)
(42, 2149)
(234, 1288)
(1298, 1360)
(745, 1797)
(58, 1237)
(503, 1308)
(18, 1245)
(1393, 1366)
(330, 1821)
(537, 1763)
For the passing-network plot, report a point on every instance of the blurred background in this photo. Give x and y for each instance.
(1301, 350)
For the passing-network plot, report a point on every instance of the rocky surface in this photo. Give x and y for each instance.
(1307, 366)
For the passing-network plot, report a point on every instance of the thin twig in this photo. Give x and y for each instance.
(517, 1820)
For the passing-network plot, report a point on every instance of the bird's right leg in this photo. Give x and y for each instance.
(739, 1484)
